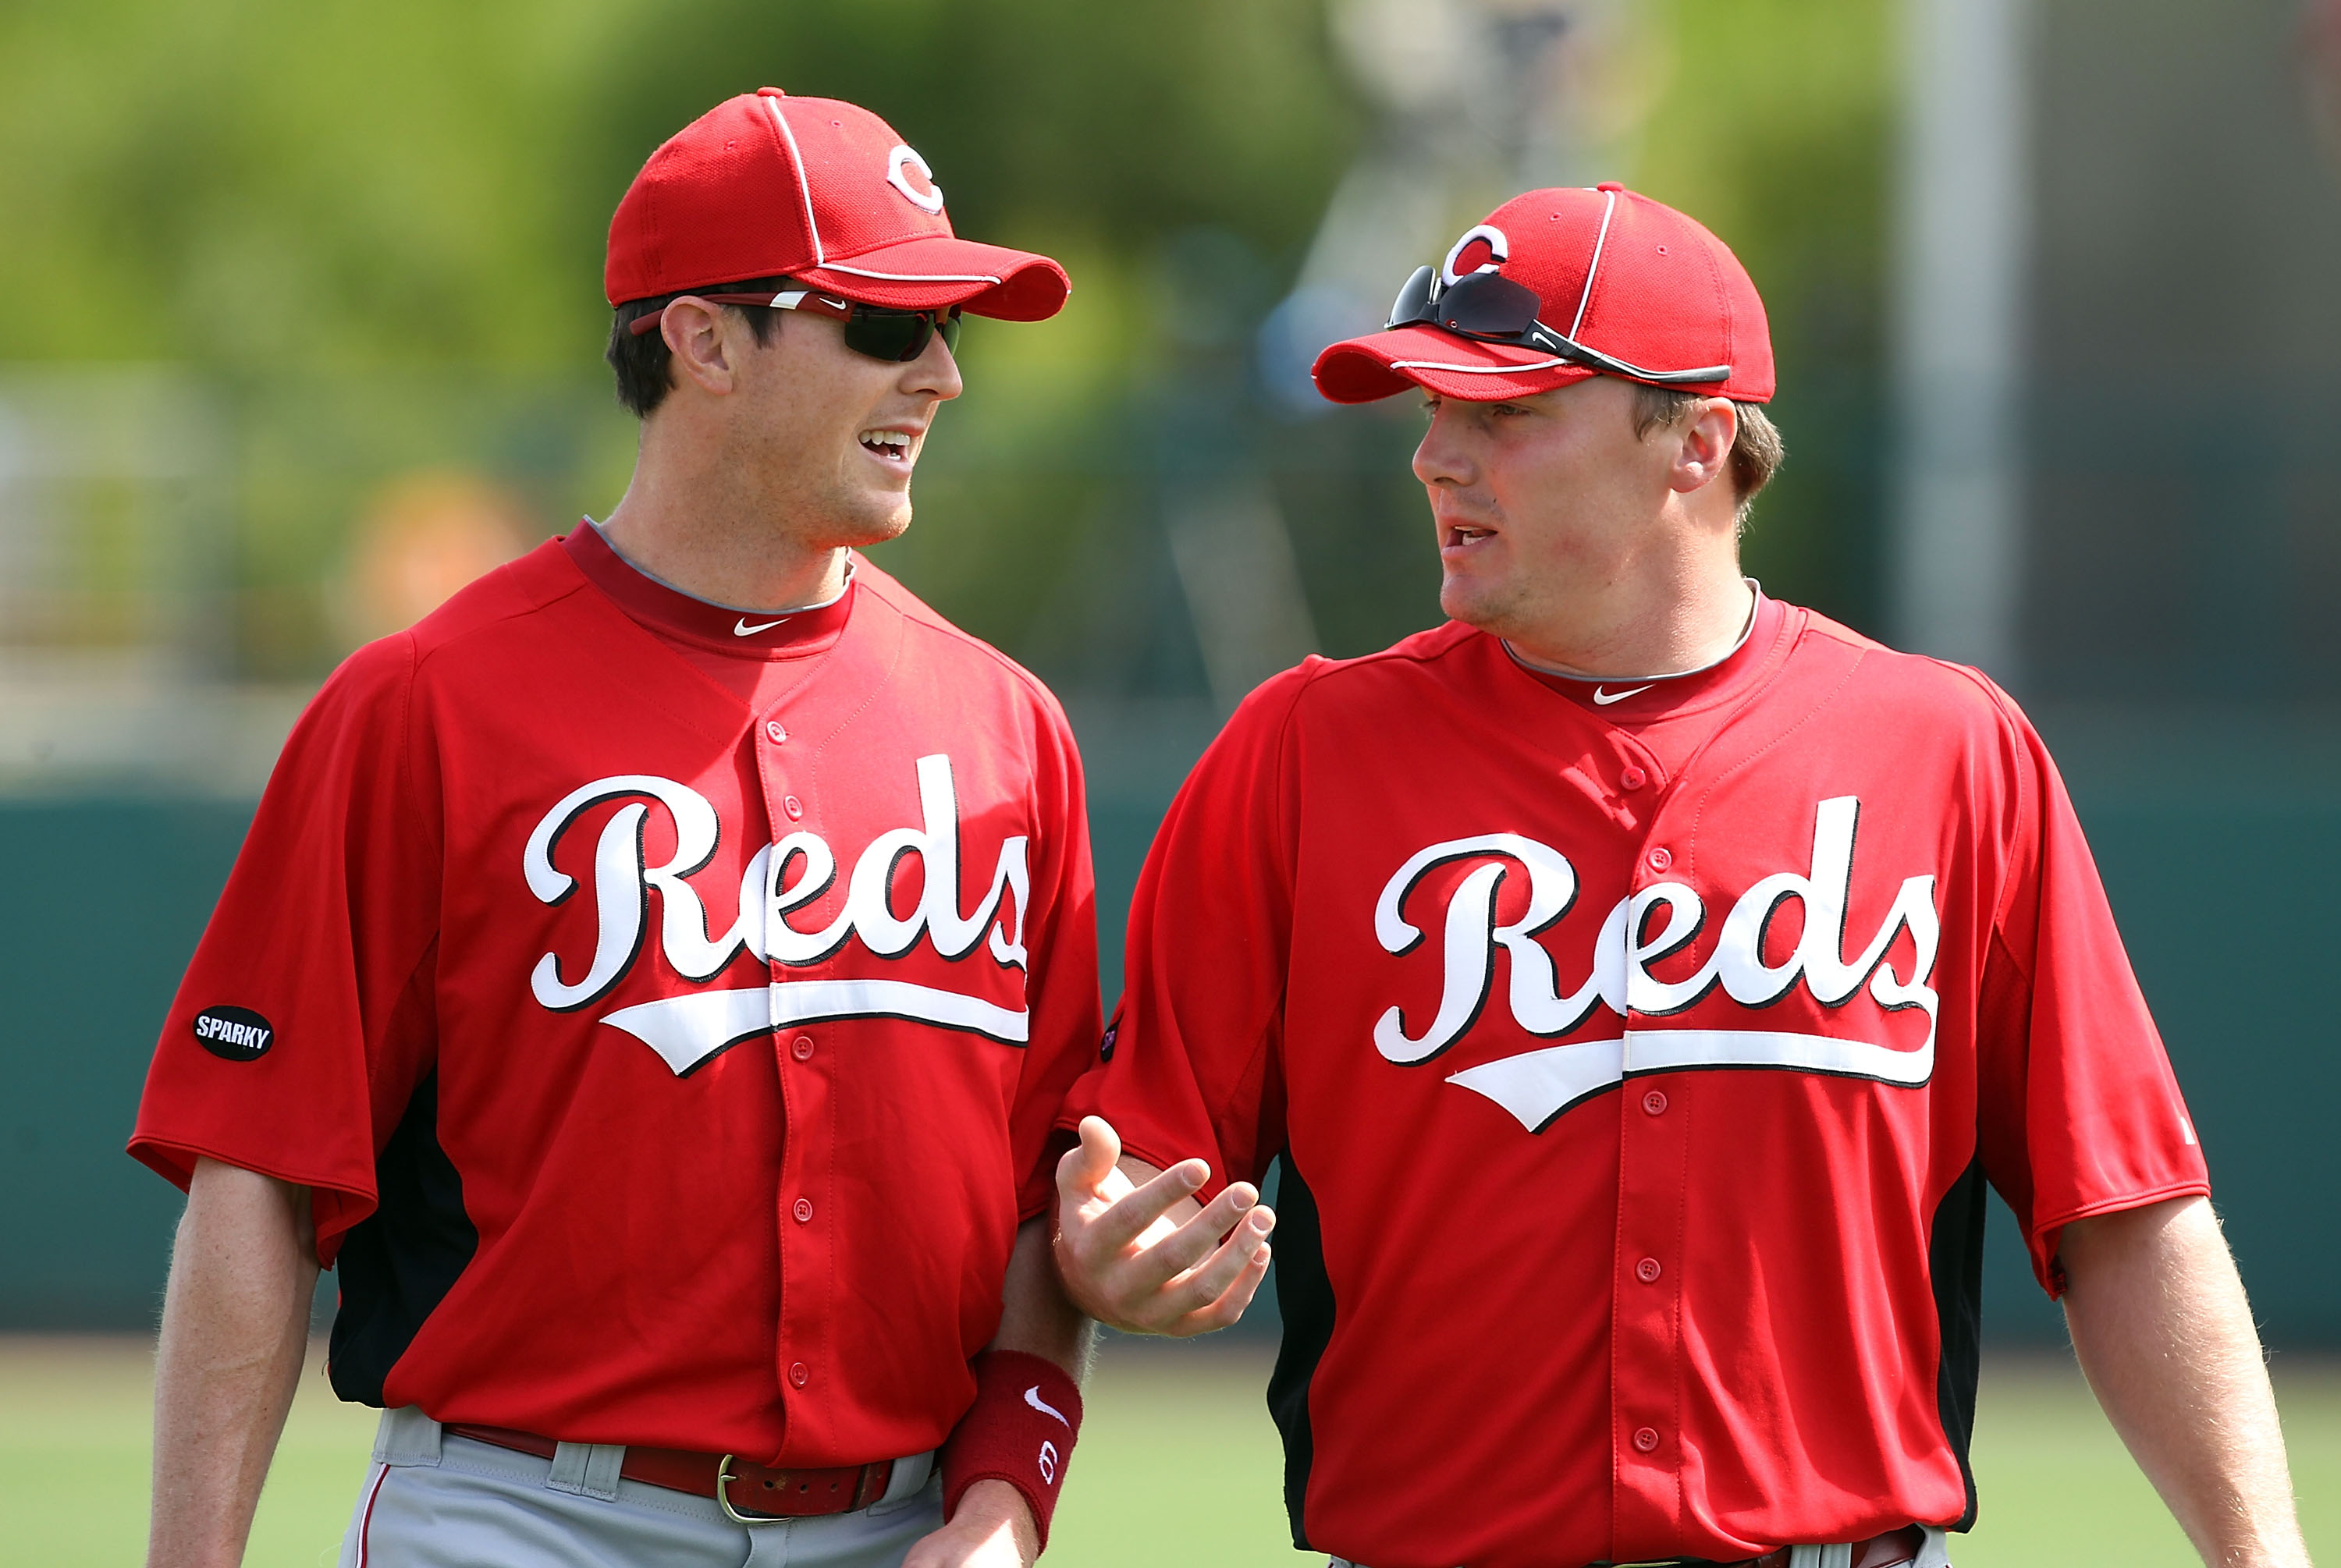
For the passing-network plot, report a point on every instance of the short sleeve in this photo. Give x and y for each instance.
(1063, 957)
(2080, 1112)
(1190, 1065)
(303, 1024)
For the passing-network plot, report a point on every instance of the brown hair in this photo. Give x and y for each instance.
(643, 361)
(1756, 456)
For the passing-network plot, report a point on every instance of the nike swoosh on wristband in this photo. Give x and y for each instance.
(1606, 697)
(741, 627)
(1032, 1397)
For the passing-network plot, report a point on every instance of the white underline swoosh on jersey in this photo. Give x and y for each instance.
(1604, 698)
(689, 1029)
(1032, 1397)
(1536, 1086)
(741, 627)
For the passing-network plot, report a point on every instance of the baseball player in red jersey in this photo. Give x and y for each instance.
(1640, 980)
(651, 980)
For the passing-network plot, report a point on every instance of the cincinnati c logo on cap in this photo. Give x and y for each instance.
(1500, 251)
(902, 159)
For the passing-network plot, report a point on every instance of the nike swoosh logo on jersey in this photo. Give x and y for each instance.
(1032, 1397)
(1603, 699)
(741, 627)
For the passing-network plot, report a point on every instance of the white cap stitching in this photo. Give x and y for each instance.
(805, 180)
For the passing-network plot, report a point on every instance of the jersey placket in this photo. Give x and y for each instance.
(802, 1206)
(1653, 1191)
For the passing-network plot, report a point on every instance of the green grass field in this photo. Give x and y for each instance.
(1178, 1465)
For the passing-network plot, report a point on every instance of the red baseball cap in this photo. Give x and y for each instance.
(766, 185)
(1630, 279)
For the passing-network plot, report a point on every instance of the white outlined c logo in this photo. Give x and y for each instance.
(1498, 245)
(902, 158)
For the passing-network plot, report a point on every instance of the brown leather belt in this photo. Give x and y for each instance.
(747, 1492)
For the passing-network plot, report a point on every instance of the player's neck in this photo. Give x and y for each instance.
(1666, 629)
(718, 545)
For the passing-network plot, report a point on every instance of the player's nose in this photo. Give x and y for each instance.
(1441, 457)
(934, 374)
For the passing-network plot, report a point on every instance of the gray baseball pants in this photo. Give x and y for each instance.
(433, 1501)
(1934, 1553)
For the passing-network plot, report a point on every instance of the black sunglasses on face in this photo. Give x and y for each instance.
(1490, 308)
(895, 336)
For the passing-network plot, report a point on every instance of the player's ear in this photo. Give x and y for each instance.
(703, 341)
(1703, 445)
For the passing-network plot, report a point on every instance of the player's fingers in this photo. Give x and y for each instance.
(1122, 1222)
(1173, 1255)
(1216, 1270)
(1231, 1303)
(1083, 1169)
(1219, 1216)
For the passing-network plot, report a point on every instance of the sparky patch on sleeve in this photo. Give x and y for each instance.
(233, 1034)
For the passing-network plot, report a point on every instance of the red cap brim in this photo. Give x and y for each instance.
(1362, 369)
(937, 270)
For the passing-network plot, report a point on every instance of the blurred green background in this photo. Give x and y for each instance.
(1179, 1465)
(344, 245)
(305, 329)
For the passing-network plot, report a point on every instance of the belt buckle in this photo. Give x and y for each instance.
(723, 1479)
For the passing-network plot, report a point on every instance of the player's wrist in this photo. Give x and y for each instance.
(1018, 1433)
(990, 1505)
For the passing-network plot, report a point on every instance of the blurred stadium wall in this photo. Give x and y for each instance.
(307, 327)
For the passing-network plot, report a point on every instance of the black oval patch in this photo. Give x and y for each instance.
(234, 1034)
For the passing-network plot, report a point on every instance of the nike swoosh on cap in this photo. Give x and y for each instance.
(741, 627)
(1606, 697)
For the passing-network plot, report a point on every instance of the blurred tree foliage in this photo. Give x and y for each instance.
(263, 185)
(381, 229)
(1776, 130)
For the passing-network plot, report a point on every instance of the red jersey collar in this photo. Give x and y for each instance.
(671, 612)
(1636, 699)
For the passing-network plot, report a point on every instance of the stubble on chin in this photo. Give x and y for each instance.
(879, 529)
(1483, 605)
(855, 521)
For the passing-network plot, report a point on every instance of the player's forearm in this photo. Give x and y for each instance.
(235, 1318)
(2165, 1336)
(1035, 1316)
(1037, 1319)
(993, 1522)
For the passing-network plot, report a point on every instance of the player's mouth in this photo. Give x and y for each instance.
(889, 445)
(1459, 536)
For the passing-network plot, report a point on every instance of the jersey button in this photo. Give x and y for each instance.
(1645, 1438)
(793, 806)
(1633, 778)
(804, 1212)
(1658, 858)
(1646, 1271)
(802, 1048)
(800, 1374)
(773, 732)
(1655, 1102)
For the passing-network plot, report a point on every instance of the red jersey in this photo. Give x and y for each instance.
(671, 1056)
(1637, 1051)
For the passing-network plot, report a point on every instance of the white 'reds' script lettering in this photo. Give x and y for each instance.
(1537, 1086)
(780, 879)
